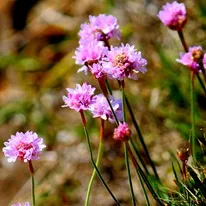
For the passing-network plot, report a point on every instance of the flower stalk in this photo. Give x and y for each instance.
(33, 182)
(99, 155)
(92, 159)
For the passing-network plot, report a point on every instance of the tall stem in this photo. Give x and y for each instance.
(141, 138)
(33, 183)
(143, 176)
(129, 174)
(92, 159)
(125, 148)
(99, 155)
(193, 142)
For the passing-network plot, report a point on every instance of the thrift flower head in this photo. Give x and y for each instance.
(100, 108)
(173, 15)
(24, 146)
(124, 61)
(97, 71)
(79, 98)
(22, 204)
(102, 27)
(89, 52)
(192, 58)
(204, 61)
(122, 132)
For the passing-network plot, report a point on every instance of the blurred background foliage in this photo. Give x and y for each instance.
(37, 42)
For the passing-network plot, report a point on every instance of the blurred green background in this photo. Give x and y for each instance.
(37, 41)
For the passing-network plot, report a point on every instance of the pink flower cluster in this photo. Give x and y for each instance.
(122, 132)
(193, 58)
(95, 55)
(83, 98)
(24, 146)
(173, 15)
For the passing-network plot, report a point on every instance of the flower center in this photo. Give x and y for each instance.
(121, 61)
(197, 54)
(22, 148)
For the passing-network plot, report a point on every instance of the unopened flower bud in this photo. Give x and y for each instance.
(122, 132)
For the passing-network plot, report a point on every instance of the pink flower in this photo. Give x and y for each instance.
(100, 108)
(25, 146)
(97, 71)
(22, 204)
(102, 27)
(122, 132)
(173, 15)
(89, 52)
(124, 61)
(204, 61)
(192, 58)
(79, 98)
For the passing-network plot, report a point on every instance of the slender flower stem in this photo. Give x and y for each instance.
(99, 155)
(184, 170)
(193, 142)
(139, 156)
(201, 82)
(115, 116)
(92, 159)
(141, 138)
(33, 183)
(144, 190)
(182, 39)
(139, 170)
(125, 148)
(129, 175)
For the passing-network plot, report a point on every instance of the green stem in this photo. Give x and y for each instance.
(144, 178)
(129, 174)
(115, 116)
(125, 148)
(201, 82)
(143, 187)
(33, 183)
(139, 156)
(193, 142)
(92, 159)
(99, 155)
(141, 138)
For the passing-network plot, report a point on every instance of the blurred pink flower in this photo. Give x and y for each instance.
(173, 15)
(192, 58)
(24, 146)
(123, 61)
(204, 61)
(79, 98)
(88, 53)
(100, 108)
(122, 132)
(102, 27)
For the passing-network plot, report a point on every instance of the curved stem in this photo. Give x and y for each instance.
(33, 183)
(99, 155)
(193, 142)
(92, 159)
